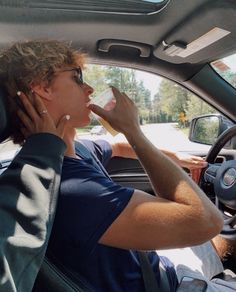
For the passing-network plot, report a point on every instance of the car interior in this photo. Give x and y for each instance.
(175, 39)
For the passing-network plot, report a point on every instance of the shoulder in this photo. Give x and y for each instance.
(100, 148)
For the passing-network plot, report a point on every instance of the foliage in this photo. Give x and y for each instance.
(197, 107)
(228, 75)
(207, 130)
(172, 103)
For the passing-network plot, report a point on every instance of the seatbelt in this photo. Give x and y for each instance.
(149, 278)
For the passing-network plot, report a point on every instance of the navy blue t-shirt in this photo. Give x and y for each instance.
(89, 201)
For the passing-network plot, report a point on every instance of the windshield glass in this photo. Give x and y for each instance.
(226, 68)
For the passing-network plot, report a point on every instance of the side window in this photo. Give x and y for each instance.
(165, 108)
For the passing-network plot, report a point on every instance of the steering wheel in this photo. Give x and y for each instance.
(220, 178)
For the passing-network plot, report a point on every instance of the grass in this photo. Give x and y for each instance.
(183, 130)
(84, 130)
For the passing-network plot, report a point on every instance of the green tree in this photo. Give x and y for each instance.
(197, 107)
(126, 81)
(171, 99)
(228, 75)
(95, 76)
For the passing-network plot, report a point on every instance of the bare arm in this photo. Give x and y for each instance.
(191, 162)
(180, 214)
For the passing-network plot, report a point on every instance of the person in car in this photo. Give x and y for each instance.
(100, 225)
(29, 190)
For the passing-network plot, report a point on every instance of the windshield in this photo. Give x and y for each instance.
(226, 68)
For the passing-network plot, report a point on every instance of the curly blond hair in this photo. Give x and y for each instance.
(30, 63)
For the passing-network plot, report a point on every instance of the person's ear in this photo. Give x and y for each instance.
(42, 90)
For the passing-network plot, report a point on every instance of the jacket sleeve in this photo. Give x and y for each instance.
(28, 196)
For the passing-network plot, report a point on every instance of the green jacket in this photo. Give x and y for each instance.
(28, 196)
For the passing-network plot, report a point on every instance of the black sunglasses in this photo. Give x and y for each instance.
(78, 76)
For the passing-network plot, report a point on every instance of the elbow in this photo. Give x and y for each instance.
(210, 226)
(216, 224)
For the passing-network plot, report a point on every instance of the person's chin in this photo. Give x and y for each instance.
(85, 122)
(88, 121)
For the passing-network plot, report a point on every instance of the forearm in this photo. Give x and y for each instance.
(180, 210)
(124, 149)
(168, 180)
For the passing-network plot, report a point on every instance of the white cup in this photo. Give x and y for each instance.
(107, 101)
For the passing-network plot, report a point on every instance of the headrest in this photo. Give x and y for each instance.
(4, 116)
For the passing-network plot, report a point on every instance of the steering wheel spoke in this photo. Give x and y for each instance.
(211, 172)
(228, 230)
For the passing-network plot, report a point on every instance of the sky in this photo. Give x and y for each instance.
(150, 81)
(231, 62)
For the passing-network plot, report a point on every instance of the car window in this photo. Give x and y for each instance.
(165, 108)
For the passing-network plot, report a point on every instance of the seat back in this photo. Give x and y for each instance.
(5, 125)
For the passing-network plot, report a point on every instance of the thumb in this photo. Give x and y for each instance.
(62, 125)
(98, 111)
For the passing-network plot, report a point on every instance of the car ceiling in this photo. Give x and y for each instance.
(180, 20)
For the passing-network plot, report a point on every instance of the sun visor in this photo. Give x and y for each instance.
(193, 41)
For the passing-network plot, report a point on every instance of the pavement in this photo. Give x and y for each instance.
(164, 136)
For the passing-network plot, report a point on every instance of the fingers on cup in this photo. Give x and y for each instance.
(117, 94)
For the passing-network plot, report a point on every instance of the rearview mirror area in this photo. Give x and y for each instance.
(206, 129)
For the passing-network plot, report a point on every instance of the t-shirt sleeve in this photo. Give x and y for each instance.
(100, 148)
(89, 202)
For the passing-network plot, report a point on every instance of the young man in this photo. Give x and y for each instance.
(99, 225)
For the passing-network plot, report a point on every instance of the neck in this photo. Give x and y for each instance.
(69, 140)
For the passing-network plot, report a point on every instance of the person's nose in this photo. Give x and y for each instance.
(88, 89)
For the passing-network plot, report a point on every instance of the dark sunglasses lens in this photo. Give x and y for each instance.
(79, 76)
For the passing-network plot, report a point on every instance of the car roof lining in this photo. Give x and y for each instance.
(86, 29)
(205, 18)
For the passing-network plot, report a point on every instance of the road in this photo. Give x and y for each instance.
(170, 137)
(166, 136)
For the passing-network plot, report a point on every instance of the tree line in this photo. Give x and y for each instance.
(171, 103)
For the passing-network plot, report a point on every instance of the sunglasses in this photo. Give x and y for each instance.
(78, 75)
